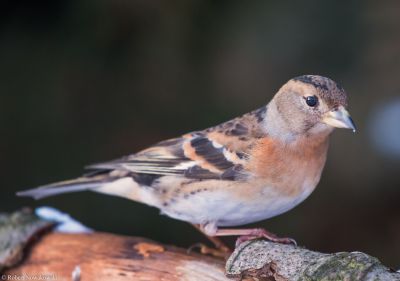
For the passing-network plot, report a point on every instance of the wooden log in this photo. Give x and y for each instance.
(102, 256)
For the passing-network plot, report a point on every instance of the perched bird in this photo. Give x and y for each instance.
(251, 168)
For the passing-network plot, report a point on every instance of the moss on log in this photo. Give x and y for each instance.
(264, 259)
(16, 231)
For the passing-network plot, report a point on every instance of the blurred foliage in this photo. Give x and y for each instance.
(87, 81)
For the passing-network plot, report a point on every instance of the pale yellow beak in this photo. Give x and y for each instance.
(339, 118)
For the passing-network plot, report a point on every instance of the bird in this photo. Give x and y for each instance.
(251, 168)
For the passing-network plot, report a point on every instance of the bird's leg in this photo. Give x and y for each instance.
(221, 249)
(253, 233)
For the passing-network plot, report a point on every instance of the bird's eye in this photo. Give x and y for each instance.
(311, 101)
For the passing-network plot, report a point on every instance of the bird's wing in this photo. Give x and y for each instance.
(192, 156)
(216, 153)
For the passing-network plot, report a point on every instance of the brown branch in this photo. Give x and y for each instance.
(102, 256)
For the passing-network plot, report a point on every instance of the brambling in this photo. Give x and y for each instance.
(248, 169)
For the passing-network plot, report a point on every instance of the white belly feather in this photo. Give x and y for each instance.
(222, 209)
(214, 205)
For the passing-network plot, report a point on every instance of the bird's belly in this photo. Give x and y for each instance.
(267, 206)
(220, 207)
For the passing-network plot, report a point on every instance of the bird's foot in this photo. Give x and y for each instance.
(256, 233)
(221, 252)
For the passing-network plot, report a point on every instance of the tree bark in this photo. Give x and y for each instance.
(103, 256)
(263, 260)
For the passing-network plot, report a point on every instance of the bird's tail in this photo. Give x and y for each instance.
(79, 184)
(121, 185)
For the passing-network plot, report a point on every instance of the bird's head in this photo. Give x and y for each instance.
(311, 104)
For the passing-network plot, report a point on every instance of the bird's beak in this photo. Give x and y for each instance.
(339, 118)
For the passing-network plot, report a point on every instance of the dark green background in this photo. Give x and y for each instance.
(88, 81)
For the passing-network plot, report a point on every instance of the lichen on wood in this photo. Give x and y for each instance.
(261, 259)
(16, 230)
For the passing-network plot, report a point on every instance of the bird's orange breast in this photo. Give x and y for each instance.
(289, 167)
